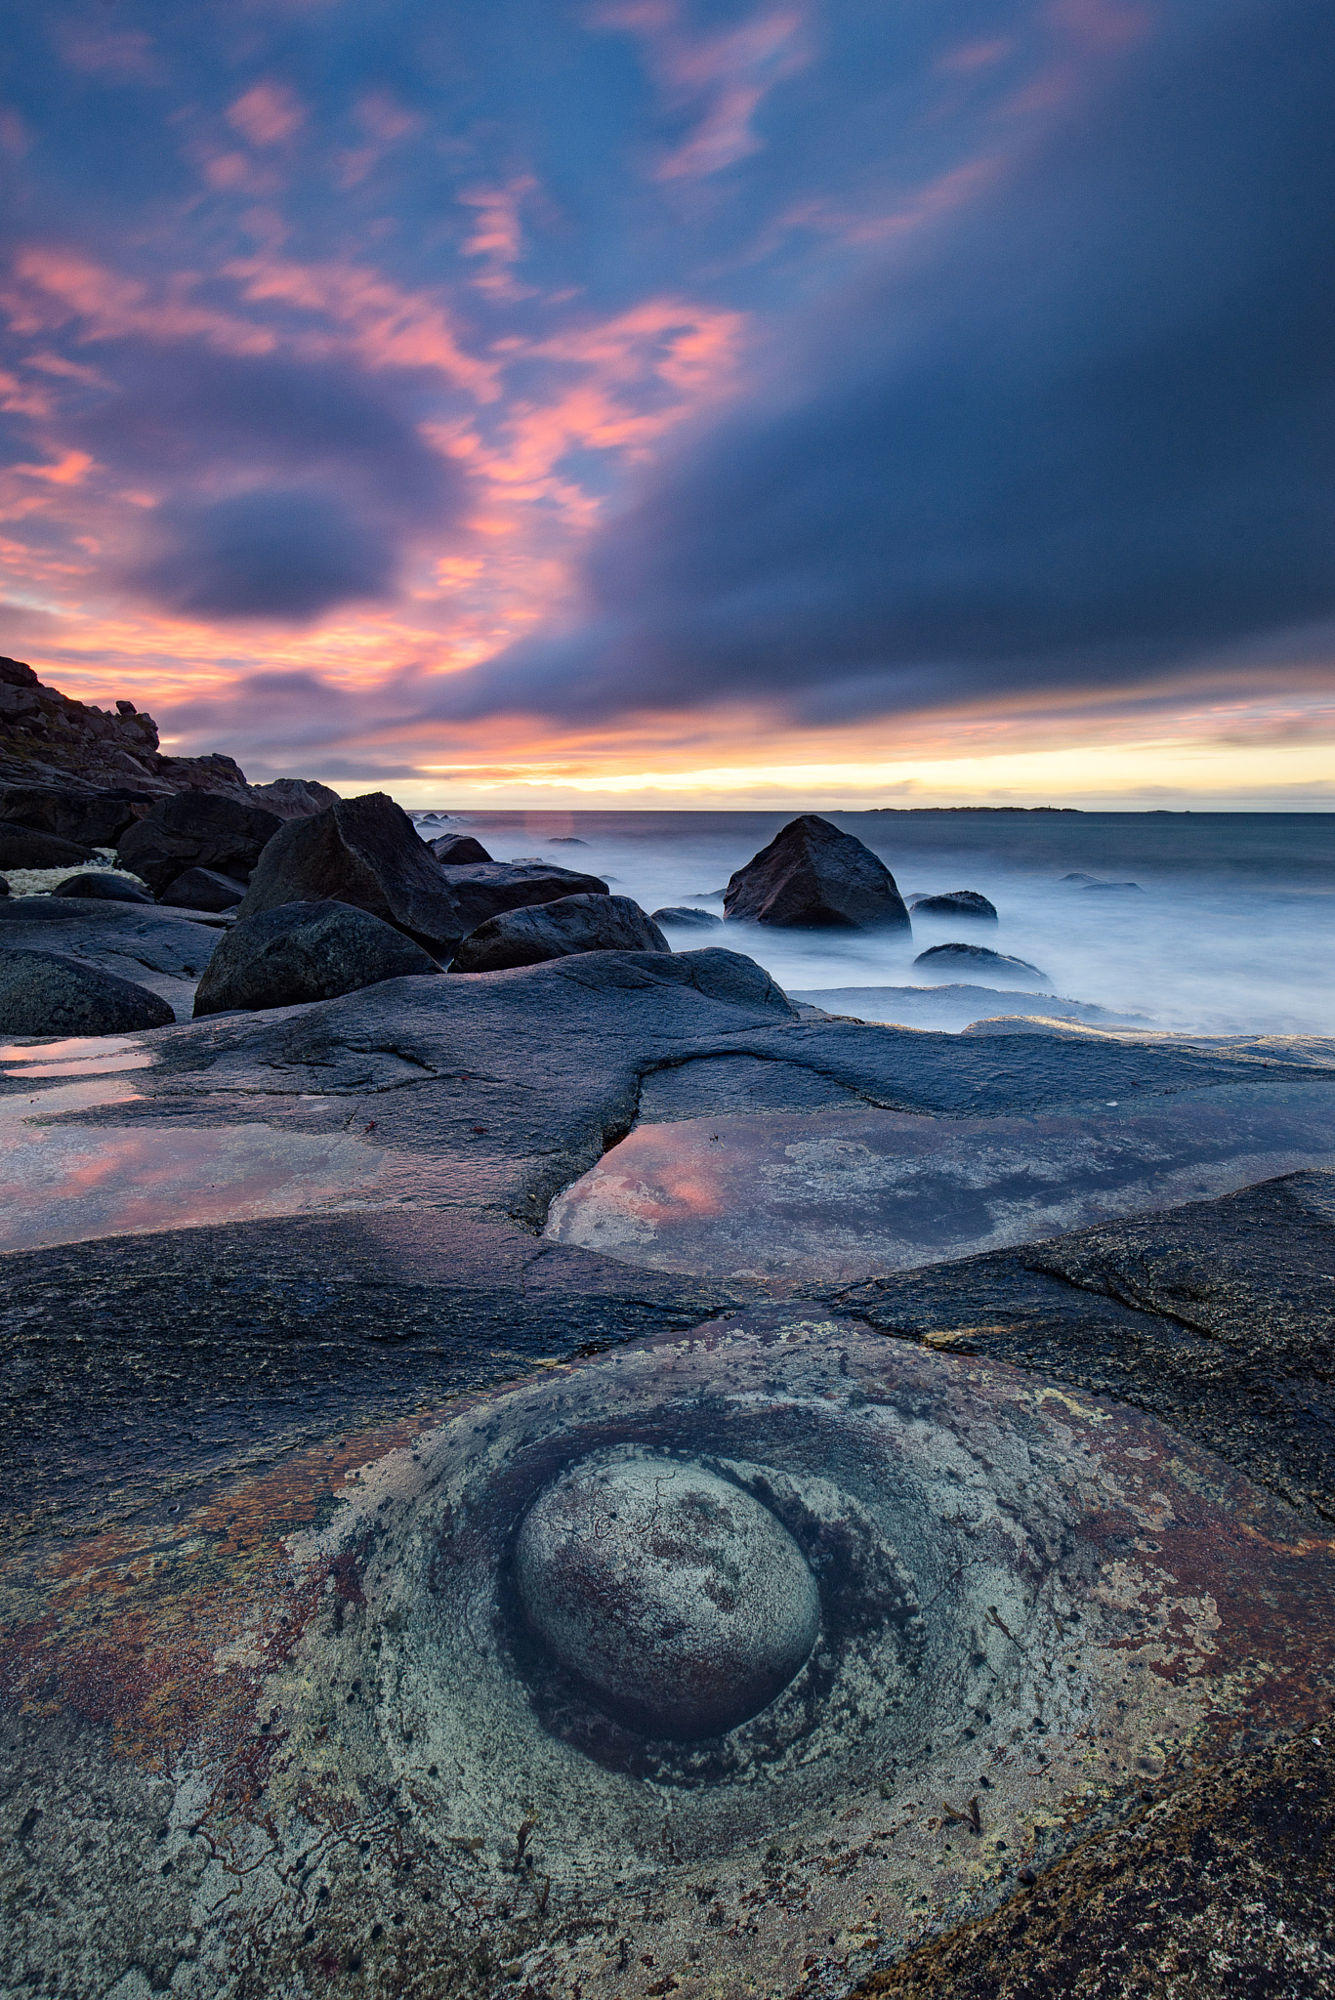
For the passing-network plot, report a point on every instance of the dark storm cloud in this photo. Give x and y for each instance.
(323, 482)
(267, 555)
(1087, 441)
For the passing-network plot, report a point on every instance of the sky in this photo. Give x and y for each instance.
(681, 402)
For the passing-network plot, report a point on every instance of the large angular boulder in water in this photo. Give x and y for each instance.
(44, 994)
(813, 876)
(196, 830)
(304, 951)
(103, 885)
(28, 847)
(529, 936)
(965, 905)
(454, 850)
(980, 958)
(203, 889)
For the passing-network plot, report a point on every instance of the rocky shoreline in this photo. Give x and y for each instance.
(297, 1346)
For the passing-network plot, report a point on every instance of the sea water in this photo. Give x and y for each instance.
(1230, 928)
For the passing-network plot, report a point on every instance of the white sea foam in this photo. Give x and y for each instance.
(1234, 932)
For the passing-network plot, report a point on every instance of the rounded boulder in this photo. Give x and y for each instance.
(42, 993)
(539, 931)
(304, 951)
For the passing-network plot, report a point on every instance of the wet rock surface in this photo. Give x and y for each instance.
(157, 948)
(304, 951)
(558, 929)
(271, 1677)
(814, 876)
(42, 993)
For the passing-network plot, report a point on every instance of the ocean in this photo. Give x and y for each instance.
(1230, 928)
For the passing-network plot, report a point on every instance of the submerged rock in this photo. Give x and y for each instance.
(28, 847)
(42, 993)
(304, 951)
(965, 905)
(813, 876)
(103, 885)
(196, 830)
(978, 958)
(203, 889)
(529, 936)
(1078, 881)
(688, 917)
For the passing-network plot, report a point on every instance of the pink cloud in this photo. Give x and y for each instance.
(971, 57)
(120, 55)
(266, 115)
(718, 80)
(377, 320)
(56, 288)
(68, 470)
(498, 237)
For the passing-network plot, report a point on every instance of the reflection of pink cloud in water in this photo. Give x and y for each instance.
(64, 1184)
(75, 1048)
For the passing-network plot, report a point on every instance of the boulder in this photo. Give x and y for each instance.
(966, 905)
(196, 830)
(529, 936)
(4, 886)
(294, 798)
(101, 885)
(365, 852)
(98, 818)
(688, 918)
(28, 847)
(203, 889)
(454, 849)
(813, 876)
(304, 951)
(979, 958)
(43, 994)
(484, 890)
